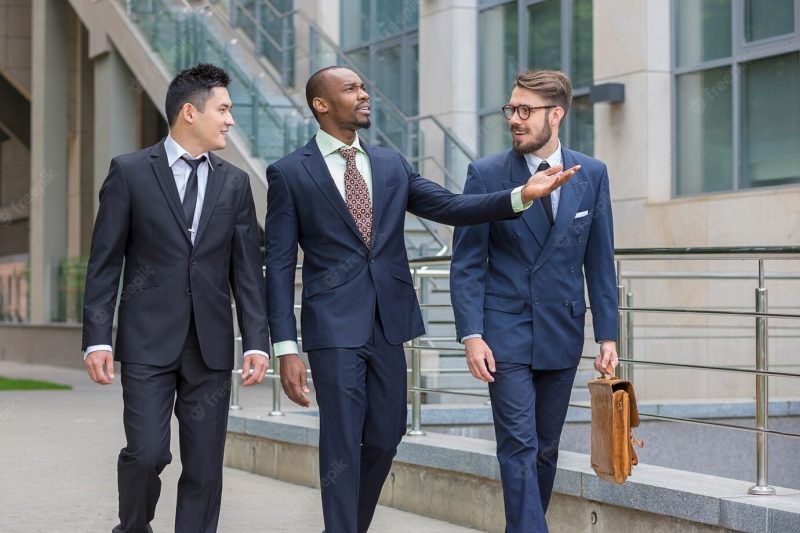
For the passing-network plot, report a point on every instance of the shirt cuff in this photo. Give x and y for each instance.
(255, 352)
(473, 336)
(96, 348)
(516, 200)
(285, 348)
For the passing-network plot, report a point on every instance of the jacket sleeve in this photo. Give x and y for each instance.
(281, 232)
(468, 267)
(598, 266)
(432, 201)
(246, 277)
(109, 240)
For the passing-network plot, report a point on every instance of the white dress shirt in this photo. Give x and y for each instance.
(552, 160)
(180, 172)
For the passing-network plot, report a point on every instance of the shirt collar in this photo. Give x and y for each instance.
(552, 160)
(329, 144)
(175, 151)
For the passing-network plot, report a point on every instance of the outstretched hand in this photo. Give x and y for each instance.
(546, 181)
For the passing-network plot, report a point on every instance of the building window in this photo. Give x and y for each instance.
(534, 34)
(737, 94)
(381, 39)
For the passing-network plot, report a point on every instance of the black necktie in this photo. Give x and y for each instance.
(190, 194)
(547, 202)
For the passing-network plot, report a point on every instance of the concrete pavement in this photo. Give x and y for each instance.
(58, 453)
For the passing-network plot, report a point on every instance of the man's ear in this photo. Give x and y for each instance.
(557, 116)
(188, 112)
(320, 105)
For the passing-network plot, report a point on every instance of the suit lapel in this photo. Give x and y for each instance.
(158, 160)
(571, 195)
(216, 177)
(378, 186)
(316, 167)
(534, 217)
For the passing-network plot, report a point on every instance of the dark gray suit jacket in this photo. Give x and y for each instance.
(140, 229)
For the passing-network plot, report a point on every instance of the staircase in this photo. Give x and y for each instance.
(269, 50)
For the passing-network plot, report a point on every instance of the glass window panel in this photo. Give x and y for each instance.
(582, 63)
(771, 121)
(388, 78)
(360, 59)
(581, 125)
(494, 135)
(703, 132)
(499, 56)
(702, 30)
(355, 23)
(544, 35)
(768, 18)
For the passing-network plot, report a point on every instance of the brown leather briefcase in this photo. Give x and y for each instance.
(614, 413)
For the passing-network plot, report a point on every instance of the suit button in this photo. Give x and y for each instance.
(528, 268)
(188, 292)
(571, 270)
(194, 261)
(515, 236)
(371, 259)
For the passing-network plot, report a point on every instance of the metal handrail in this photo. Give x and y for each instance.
(422, 268)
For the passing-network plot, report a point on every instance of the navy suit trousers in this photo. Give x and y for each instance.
(529, 408)
(361, 394)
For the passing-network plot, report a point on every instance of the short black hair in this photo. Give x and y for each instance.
(193, 86)
(315, 85)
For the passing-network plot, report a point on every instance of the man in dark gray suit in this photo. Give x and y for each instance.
(178, 223)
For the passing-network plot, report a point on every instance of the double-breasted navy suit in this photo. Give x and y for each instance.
(359, 306)
(520, 285)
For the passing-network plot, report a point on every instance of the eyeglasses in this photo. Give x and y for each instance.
(524, 111)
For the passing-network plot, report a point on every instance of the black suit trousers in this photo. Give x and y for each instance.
(200, 398)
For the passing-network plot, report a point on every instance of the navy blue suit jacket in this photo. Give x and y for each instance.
(520, 283)
(343, 279)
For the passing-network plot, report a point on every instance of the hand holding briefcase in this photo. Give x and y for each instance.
(614, 413)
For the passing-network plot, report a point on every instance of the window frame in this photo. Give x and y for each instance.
(566, 10)
(742, 52)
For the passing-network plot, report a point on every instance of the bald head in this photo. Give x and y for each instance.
(315, 86)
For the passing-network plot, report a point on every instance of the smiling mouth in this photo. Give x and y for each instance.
(364, 109)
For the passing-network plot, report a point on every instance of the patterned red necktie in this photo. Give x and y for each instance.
(357, 195)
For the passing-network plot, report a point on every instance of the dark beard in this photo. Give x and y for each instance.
(534, 145)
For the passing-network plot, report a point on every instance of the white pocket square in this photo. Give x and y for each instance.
(581, 214)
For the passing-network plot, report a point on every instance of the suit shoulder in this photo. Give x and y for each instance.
(587, 162)
(492, 161)
(132, 158)
(298, 154)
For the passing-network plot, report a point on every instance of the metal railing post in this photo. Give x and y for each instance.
(276, 389)
(416, 395)
(762, 389)
(236, 375)
(622, 329)
(628, 367)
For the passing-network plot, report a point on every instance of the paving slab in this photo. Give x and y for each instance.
(58, 453)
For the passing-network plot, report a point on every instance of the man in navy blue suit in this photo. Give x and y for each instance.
(344, 203)
(518, 292)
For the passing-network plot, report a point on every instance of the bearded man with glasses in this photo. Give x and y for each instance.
(517, 287)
